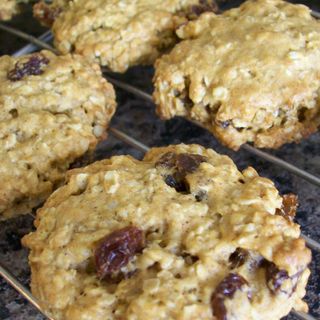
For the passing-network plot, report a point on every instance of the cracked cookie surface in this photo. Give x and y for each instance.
(250, 74)
(180, 235)
(119, 34)
(54, 109)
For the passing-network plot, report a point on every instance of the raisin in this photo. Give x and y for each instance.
(302, 114)
(182, 164)
(14, 113)
(188, 163)
(184, 95)
(226, 289)
(168, 160)
(33, 67)
(289, 206)
(274, 276)
(201, 195)
(47, 14)
(178, 182)
(238, 257)
(117, 249)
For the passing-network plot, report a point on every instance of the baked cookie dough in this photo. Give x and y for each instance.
(8, 8)
(180, 235)
(54, 109)
(119, 34)
(248, 75)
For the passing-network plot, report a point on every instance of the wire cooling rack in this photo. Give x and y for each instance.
(43, 42)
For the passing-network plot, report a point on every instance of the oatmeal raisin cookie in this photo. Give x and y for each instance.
(54, 109)
(180, 235)
(119, 34)
(251, 74)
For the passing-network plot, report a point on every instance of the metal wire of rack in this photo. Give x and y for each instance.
(43, 43)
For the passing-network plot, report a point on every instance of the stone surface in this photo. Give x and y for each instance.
(137, 118)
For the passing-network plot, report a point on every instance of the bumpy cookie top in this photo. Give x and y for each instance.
(53, 110)
(250, 74)
(119, 34)
(8, 8)
(180, 235)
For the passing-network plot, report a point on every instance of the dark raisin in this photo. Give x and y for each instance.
(185, 97)
(201, 195)
(47, 14)
(117, 249)
(302, 114)
(289, 206)
(181, 164)
(14, 113)
(33, 67)
(178, 182)
(274, 276)
(51, 15)
(188, 163)
(168, 160)
(226, 289)
(230, 284)
(238, 257)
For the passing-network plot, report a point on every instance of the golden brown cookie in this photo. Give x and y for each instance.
(54, 109)
(180, 235)
(118, 34)
(8, 8)
(248, 75)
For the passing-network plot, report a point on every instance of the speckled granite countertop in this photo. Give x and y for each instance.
(138, 119)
